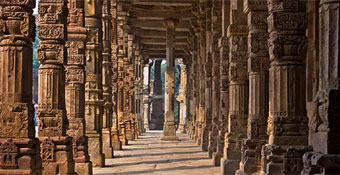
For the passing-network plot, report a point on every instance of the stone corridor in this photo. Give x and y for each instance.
(254, 84)
(149, 156)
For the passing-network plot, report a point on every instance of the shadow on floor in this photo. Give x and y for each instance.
(156, 162)
(158, 154)
(159, 170)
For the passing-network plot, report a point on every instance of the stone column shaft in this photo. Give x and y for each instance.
(56, 146)
(17, 130)
(216, 18)
(93, 86)
(258, 66)
(75, 86)
(106, 80)
(239, 88)
(116, 143)
(207, 62)
(146, 98)
(287, 121)
(122, 53)
(169, 129)
(182, 97)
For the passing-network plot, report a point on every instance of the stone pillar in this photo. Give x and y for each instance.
(19, 150)
(207, 62)
(93, 86)
(146, 98)
(182, 97)
(75, 86)
(324, 124)
(55, 145)
(287, 121)
(116, 143)
(239, 88)
(258, 68)
(129, 86)
(224, 99)
(215, 90)
(122, 53)
(157, 114)
(106, 80)
(169, 129)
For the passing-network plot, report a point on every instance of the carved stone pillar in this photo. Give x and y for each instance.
(287, 121)
(224, 99)
(207, 63)
(239, 88)
(75, 86)
(215, 90)
(258, 68)
(56, 146)
(116, 143)
(106, 80)
(169, 129)
(182, 97)
(128, 88)
(146, 98)
(122, 53)
(93, 86)
(224, 83)
(200, 77)
(19, 150)
(324, 124)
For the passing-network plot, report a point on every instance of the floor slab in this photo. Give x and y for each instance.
(149, 156)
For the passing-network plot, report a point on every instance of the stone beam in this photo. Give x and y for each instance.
(157, 23)
(162, 47)
(148, 14)
(156, 33)
(186, 3)
(160, 41)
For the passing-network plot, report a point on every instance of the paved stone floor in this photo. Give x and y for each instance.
(149, 156)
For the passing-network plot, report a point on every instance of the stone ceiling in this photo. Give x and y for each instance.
(146, 22)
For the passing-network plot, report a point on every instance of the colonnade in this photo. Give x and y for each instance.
(259, 88)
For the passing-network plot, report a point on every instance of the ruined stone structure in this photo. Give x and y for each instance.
(259, 82)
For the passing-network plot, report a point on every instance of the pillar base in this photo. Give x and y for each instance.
(280, 159)
(107, 145)
(229, 167)
(117, 145)
(216, 158)
(129, 136)
(96, 156)
(181, 128)
(205, 138)
(169, 138)
(57, 156)
(169, 132)
(251, 150)
(212, 147)
(124, 140)
(25, 152)
(83, 168)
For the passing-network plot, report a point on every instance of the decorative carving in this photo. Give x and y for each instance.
(8, 154)
(47, 150)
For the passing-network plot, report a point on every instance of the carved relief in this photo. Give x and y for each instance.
(47, 150)
(8, 154)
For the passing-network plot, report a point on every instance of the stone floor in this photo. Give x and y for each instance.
(149, 156)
